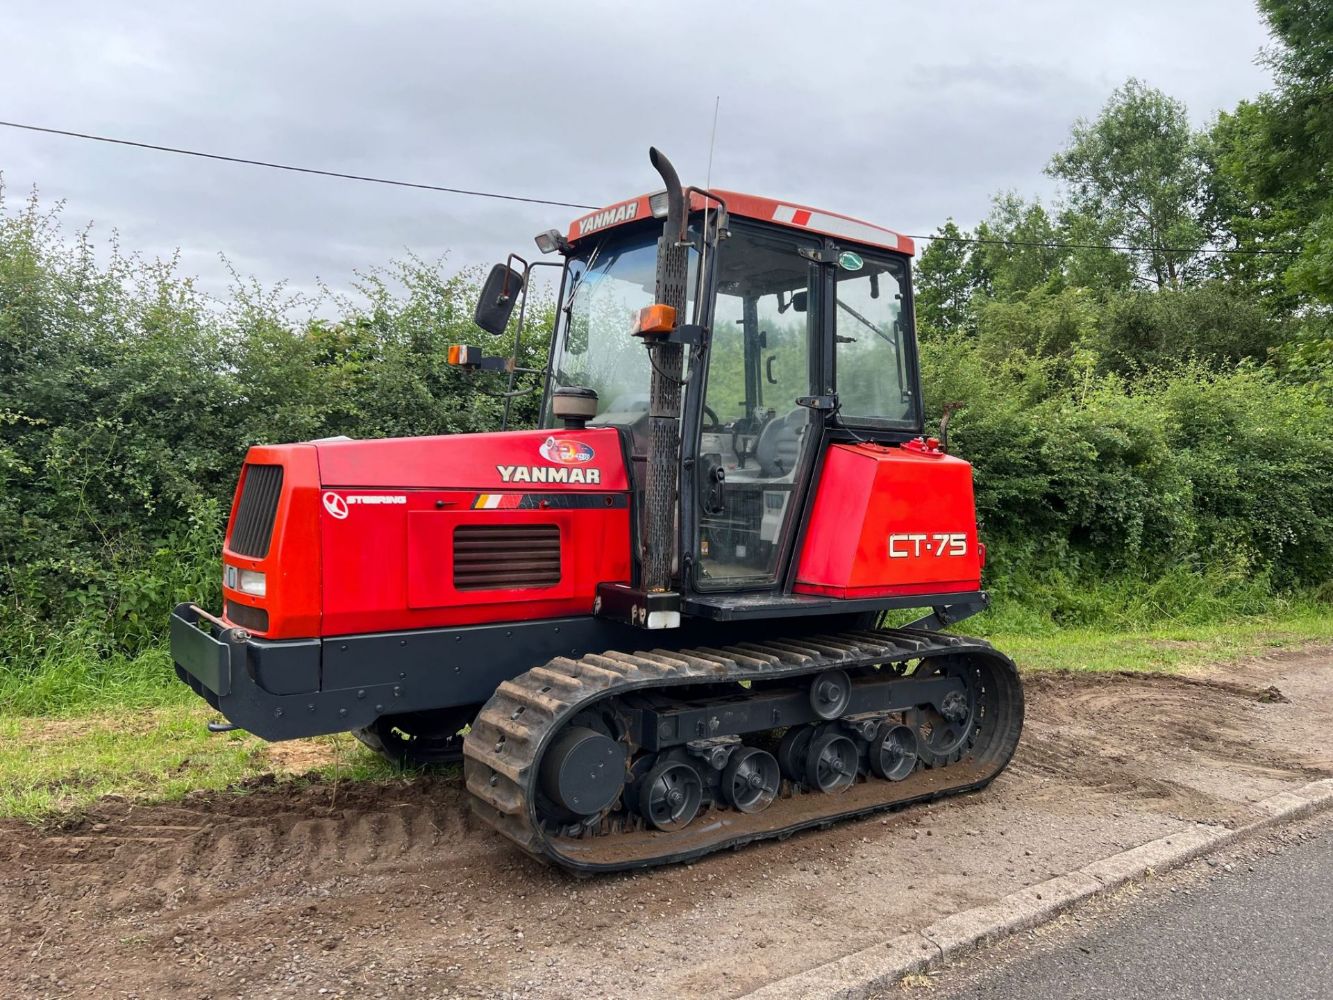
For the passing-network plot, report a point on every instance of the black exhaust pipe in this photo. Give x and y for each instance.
(663, 480)
(675, 220)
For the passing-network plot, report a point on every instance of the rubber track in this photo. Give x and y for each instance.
(501, 753)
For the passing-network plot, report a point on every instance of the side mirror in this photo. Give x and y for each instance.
(498, 297)
(800, 300)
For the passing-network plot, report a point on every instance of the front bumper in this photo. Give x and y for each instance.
(283, 689)
(270, 688)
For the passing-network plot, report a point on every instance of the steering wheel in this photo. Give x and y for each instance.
(714, 425)
(744, 426)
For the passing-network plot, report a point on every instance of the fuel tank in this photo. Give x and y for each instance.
(891, 521)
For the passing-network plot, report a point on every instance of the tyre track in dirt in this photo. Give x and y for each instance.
(392, 887)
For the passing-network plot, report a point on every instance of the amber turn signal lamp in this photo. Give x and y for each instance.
(464, 356)
(656, 318)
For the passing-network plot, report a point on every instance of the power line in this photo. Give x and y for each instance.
(1097, 246)
(293, 169)
(570, 204)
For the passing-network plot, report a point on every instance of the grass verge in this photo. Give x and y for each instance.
(58, 761)
(58, 766)
(1173, 648)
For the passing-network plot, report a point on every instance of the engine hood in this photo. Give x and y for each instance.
(531, 461)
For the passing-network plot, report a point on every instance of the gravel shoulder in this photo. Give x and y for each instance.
(390, 889)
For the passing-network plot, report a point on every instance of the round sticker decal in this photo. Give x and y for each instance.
(849, 261)
(566, 451)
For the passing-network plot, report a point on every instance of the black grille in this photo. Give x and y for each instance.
(506, 556)
(258, 506)
(255, 619)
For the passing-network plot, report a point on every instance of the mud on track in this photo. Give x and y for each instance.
(392, 889)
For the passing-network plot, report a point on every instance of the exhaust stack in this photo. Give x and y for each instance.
(661, 489)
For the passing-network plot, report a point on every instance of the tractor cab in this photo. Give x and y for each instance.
(804, 337)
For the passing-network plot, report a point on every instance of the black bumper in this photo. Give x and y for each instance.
(270, 688)
(290, 688)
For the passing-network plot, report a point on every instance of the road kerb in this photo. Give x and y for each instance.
(855, 976)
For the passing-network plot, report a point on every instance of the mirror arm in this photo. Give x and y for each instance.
(509, 263)
(513, 370)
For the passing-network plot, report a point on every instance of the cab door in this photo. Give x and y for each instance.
(754, 439)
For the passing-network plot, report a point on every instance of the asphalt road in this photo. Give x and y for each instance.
(1247, 935)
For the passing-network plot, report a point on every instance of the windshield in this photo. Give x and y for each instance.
(596, 347)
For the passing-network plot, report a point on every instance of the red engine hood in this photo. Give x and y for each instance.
(530, 461)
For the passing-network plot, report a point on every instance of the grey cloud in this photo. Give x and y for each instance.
(900, 114)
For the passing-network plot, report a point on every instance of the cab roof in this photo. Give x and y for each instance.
(749, 206)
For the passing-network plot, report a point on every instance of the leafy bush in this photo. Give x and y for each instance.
(1136, 460)
(1216, 472)
(128, 399)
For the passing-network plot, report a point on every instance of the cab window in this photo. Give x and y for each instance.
(871, 339)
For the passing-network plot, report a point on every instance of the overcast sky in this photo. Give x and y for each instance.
(902, 114)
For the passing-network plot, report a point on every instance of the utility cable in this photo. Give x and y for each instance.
(571, 204)
(290, 167)
(1096, 246)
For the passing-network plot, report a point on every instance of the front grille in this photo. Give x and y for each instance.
(255, 619)
(258, 506)
(506, 556)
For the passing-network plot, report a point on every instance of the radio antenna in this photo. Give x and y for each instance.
(712, 141)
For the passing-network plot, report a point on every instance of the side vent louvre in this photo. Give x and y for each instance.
(253, 529)
(506, 556)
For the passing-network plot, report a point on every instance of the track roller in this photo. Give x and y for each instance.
(670, 794)
(893, 753)
(831, 762)
(791, 752)
(751, 780)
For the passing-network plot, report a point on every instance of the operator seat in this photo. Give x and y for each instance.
(779, 444)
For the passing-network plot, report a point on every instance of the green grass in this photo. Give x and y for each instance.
(1169, 648)
(1179, 621)
(58, 766)
(66, 680)
(73, 729)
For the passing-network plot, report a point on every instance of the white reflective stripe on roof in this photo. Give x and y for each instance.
(835, 225)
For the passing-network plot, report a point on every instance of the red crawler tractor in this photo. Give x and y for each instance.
(656, 619)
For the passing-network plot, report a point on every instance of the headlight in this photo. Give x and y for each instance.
(247, 581)
(253, 583)
(659, 203)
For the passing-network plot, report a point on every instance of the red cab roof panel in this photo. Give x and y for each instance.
(782, 213)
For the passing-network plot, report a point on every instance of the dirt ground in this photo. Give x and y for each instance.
(387, 890)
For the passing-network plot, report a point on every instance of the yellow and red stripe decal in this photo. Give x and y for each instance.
(497, 501)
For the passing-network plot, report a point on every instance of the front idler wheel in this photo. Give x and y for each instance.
(893, 753)
(584, 771)
(670, 795)
(831, 762)
(751, 780)
(945, 732)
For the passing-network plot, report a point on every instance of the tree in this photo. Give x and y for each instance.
(1298, 120)
(1137, 171)
(1247, 211)
(946, 280)
(1029, 257)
